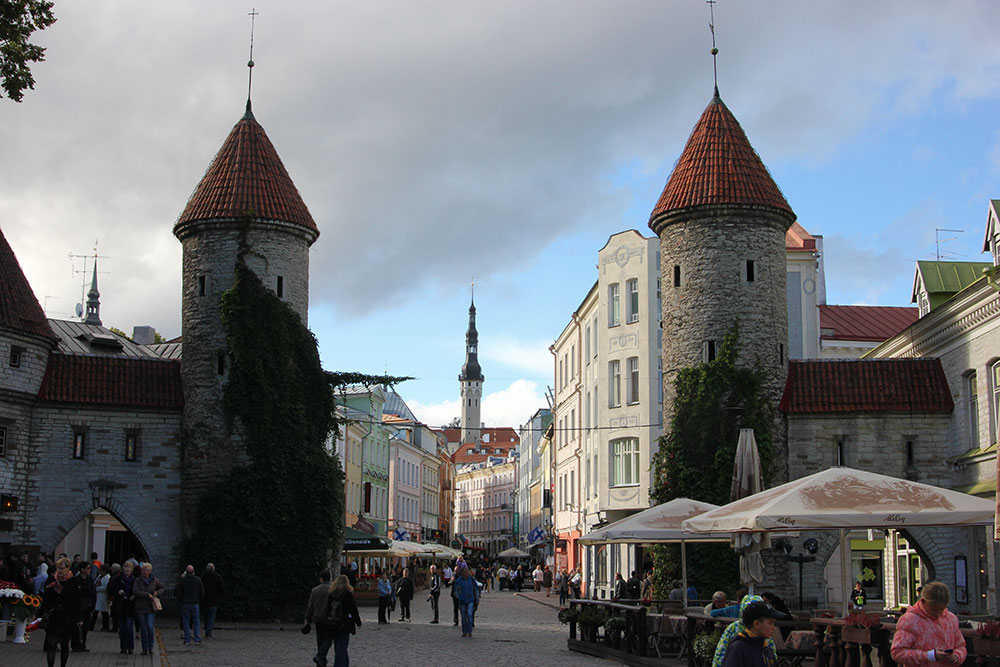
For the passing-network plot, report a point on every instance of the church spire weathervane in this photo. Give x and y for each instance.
(253, 16)
(715, 51)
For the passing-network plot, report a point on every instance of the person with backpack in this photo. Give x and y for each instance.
(342, 618)
(316, 614)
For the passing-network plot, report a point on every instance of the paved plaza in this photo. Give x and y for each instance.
(511, 630)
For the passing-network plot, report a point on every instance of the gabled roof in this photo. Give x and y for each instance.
(797, 239)
(864, 323)
(992, 224)
(19, 309)
(719, 166)
(77, 337)
(866, 385)
(946, 277)
(247, 175)
(142, 383)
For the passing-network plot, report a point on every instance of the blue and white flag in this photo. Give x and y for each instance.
(400, 535)
(536, 535)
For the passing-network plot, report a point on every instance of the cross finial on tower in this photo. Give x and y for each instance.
(472, 289)
(253, 16)
(715, 51)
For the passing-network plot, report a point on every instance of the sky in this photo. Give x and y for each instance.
(437, 143)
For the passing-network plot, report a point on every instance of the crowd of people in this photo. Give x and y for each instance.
(125, 598)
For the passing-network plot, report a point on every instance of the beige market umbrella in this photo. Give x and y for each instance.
(747, 481)
(513, 552)
(433, 549)
(660, 524)
(842, 499)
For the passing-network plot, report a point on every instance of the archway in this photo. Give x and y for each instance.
(101, 527)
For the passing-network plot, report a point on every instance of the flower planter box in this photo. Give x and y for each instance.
(860, 635)
(984, 646)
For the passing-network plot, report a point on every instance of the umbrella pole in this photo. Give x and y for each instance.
(684, 572)
(845, 571)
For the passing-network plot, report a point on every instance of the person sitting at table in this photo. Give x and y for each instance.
(718, 602)
(676, 593)
(736, 628)
(733, 610)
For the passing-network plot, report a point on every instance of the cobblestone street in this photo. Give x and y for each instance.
(510, 630)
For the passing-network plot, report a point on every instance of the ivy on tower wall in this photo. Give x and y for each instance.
(713, 402)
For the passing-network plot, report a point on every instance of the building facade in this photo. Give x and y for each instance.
(484, 504)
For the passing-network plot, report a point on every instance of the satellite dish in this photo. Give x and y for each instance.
(79, 310)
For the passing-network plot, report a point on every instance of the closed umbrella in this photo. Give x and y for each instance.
(747, 481)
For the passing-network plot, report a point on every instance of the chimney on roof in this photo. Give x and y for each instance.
(143, 335)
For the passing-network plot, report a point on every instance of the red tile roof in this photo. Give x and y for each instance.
(868, 323)
(247, 175)
(719, 166)
(497, 434)
(866, 385)
(19, 309)
(464, 453)
(143, 383)
(797, 239)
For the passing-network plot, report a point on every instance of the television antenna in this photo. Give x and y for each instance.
(86, 272)
(938, 240)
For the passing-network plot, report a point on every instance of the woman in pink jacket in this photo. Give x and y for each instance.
(928, 632)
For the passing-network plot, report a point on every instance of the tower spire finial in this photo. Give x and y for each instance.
(714, 51)
(472, 290)
(253, 16)
(94, 297)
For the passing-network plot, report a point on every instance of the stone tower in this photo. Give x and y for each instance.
(721, 221)
(245, 187)
(472, 383)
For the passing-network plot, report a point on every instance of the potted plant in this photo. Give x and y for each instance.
(569, 615)
(861, 628)
(704, 646)
(987, 639)
(590, 619)
(23, 609)
(614, 628)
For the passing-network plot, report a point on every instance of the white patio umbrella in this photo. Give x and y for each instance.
(513, 552)
(844, 498)
(660, 524)
(747, 481)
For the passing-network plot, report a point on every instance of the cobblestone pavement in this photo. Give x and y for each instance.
(511, 630)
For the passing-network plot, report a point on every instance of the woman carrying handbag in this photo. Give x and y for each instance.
(146, 590)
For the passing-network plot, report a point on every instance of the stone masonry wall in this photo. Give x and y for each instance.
(146, 493)
(712, 250)
(211, 252)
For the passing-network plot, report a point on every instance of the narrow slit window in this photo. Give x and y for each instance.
(202, 285)
(909, 453)
(220, 363)
(710, 350)
(79, 444)
(15, 356)
(750, 271)
(280, 288)
(131, 445)
(841, 453)
(781, 353)
(677, 275)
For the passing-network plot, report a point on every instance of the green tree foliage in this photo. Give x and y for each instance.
(695, 458)
(18, 19)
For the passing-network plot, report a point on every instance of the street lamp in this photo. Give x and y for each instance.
(810, 545)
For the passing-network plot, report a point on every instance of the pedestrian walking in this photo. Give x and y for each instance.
(547, 581)
(928, 632)
(620, 592)
(41, 578)
(88, 600)
(537, 576)
(563, 586)
(447, 575)
(123, 607)
(62, 602)
(435, 591)
(502, 576)
(576, 583)
(454, 598)
(190, 592)
(468, 600)
(316, 614)
(343, 619)
(101, 588)
(214, 590)
(384, 596)
(404, 592)
(147, 589)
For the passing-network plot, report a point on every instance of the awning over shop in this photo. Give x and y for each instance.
(355, 540)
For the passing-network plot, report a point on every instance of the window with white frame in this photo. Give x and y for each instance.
(614, 305)
(586, 413)
(624, 461)
(614, 383)
(586, 346)
(572, 362)
(972, 382)
(632, 366)
(632, 294)
(596, 329)
(995, 375)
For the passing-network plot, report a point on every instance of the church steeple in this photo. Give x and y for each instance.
(93, 301)
(471, 379)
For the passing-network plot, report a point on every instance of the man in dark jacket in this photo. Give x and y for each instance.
(214, 589)
(633, 589)
(404, 592)
(88, 600)
(435, 591)
(189, 593)
(749, 648)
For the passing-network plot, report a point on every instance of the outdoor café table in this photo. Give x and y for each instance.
(659, 626)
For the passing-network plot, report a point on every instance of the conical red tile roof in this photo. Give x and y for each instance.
(247, 175)
(719, 166)
(19, 309)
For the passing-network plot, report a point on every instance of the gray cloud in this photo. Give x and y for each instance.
(425, 134)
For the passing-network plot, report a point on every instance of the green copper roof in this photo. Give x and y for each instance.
(951, 277)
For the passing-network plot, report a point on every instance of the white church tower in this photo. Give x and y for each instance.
(472, 382)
